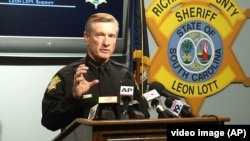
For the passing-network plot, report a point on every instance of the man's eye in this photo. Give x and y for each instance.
(112, 36)
(99, 34)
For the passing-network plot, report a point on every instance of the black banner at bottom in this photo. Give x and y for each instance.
(209, 132)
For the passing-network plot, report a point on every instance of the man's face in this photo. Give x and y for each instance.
(102, 41)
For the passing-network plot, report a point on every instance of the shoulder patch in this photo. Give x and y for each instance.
(53, 82)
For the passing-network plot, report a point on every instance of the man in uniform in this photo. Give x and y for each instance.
(76, 87)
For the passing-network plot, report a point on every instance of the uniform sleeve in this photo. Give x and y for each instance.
(58, 104)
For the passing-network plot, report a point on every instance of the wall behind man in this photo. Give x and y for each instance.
(22, 87)
(233, 101)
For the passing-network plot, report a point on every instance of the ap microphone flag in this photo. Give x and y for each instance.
(126, 92)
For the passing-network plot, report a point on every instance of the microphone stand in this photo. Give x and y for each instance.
(124, 114)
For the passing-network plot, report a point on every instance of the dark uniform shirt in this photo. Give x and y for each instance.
(59, 108)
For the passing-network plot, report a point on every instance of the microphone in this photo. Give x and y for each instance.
(126, 94)
(102, 110)
(134, 111)
(161, 89)
(178, 108)
(126, 99)
(154, 102)
(174, 103)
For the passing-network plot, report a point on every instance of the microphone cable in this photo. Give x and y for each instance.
(215, 116)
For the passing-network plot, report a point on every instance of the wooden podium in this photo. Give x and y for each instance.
(129, 130)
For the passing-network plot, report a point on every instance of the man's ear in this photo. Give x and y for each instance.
(86, 37)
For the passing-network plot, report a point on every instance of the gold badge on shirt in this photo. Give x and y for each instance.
(53, 82)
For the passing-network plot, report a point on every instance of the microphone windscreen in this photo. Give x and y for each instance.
(161, 89)
(107, 115)
(156, 85)
(169, 102)
(127, 80)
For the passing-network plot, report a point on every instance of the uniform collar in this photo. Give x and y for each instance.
(94, 66)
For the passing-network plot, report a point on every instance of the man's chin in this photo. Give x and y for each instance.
(104, 59)
(104, 56)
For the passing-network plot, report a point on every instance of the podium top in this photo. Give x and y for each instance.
(84, 127)
(204, 119)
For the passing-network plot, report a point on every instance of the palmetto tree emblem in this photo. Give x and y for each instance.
(187, 47)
